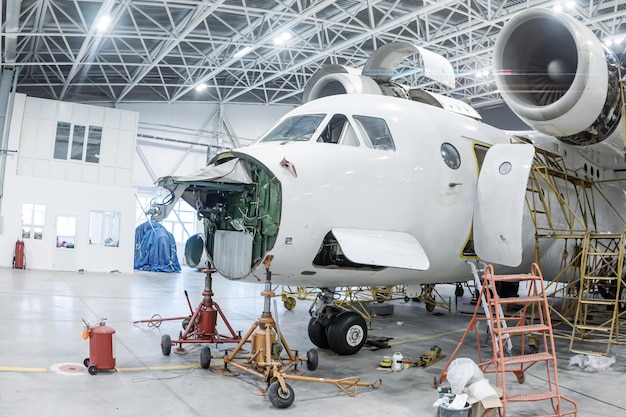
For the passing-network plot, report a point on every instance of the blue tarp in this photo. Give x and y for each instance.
(155, 249)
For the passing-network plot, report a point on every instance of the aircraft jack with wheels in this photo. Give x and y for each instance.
(272, 360)
(200, 326)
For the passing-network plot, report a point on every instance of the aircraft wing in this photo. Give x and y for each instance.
(382, 248)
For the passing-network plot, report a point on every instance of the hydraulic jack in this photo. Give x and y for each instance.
(268, 361)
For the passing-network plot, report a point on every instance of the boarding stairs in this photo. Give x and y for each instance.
(523, 326)
(596, 321)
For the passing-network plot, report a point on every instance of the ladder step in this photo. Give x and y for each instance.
(597, 301)
(532, 396)
(600, 278)
(514, 277)
(591, 327)
(519, 300)
(526, 329)
(534, 357)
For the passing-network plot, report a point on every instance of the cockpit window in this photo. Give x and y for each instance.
(377, 132)
(296, 128)
(339, 130)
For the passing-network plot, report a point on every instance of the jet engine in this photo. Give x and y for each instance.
(557, 77)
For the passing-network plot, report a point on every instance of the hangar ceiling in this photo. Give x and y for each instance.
(253, 51)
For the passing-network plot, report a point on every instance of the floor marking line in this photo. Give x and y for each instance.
(20, 369)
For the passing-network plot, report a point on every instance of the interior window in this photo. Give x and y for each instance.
(338, 130)
(296, 128)
(377, 132)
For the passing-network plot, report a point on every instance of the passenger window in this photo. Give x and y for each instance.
(377, 131)
(339, 131)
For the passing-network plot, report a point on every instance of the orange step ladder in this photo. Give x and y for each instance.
(532, 323)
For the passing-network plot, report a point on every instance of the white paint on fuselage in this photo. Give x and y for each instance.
(406, 190)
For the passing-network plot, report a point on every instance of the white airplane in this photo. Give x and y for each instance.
(369, 183)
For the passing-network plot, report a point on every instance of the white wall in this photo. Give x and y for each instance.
(184, 121)
(74, 188)
(68, 188)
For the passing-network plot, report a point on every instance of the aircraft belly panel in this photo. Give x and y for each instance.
(382, 248)
(500, 203)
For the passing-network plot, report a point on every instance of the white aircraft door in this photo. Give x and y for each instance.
(500, 203)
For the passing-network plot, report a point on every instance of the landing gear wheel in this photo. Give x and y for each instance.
(92, 370)
(430, 304)
(86, 362)
(347, 333)
(311, 359)
(205, 357)
(166, 344)
(317, 334)
(289, 303)
(280, 398)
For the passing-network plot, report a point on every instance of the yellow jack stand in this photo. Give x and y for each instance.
(265, 360)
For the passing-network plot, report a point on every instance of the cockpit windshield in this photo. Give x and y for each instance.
(296, 128)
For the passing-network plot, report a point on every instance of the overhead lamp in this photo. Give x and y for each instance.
(558, 8)
(282, 38)
(201, 87)
(242, 52)
(104, 23)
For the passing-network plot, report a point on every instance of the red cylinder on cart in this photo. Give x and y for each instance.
(102, 348)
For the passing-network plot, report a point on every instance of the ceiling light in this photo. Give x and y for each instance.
(571, 5)
(201, 87)
(558, 8)
(104, 23)
(282, 38)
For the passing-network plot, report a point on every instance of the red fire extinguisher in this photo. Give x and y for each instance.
(101, 347)
(19, 261)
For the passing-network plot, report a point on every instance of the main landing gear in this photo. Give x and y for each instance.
(344, 332)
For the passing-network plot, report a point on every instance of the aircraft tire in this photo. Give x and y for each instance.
(347, 333)
(317, 334)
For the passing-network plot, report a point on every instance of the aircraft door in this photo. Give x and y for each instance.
(499, 203)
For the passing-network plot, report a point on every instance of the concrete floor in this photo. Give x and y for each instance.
(42, 372)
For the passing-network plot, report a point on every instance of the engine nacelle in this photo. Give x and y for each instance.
(331, 84)
(557, 77)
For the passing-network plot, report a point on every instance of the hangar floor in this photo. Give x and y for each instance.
(42, 353)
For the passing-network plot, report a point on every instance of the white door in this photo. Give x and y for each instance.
(500, 203)
(65, 251)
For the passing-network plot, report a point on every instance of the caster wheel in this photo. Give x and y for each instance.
(312, 360)
(86, 362)
(166, 344)
(205, 357)
(290, 303)
(280, 398)
(92, 370)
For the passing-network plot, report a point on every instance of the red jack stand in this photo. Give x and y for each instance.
(200, 327)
